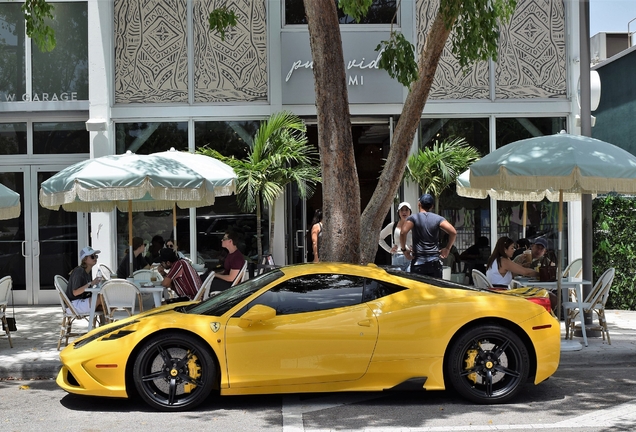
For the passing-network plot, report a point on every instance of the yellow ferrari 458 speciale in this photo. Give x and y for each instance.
(323, 327)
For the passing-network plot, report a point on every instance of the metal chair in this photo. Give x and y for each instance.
(594, 302)
(69, 313)
(147, 275)
(480, 280)
(6, 284)
(515, 284)
(107, 273)
(574, 269)
(120, 297)
(204, 291)
(241, 276)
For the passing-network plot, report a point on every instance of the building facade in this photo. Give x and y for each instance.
(148, 75)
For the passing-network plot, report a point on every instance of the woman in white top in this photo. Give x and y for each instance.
(500, 267)
(394, 229)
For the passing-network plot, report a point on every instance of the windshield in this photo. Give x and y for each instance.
(224, 301)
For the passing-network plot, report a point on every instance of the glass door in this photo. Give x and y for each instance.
(40, 243)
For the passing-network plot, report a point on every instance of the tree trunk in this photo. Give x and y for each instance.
(341, 189)
(391, 176)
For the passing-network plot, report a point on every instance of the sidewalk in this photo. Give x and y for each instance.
(34, 354)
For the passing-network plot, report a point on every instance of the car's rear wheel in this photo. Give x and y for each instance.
(488, 364)
(174, 372)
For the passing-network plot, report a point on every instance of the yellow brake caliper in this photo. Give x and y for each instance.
(194, 371)
(470, 363)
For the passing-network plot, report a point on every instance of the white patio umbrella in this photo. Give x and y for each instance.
(9, 203)
(569, 164)
(132, 182)
(217, 173)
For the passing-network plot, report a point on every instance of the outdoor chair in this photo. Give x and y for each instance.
(266, 265)
(594, 302)
(204, 291)
(6, 284)
(69, 313)
(515, 284)
(241, 276)
(574, 269)
(107, 273)
(120, 298)
(480, 280)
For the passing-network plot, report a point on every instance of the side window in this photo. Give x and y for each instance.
(374, 289)
(311, 293)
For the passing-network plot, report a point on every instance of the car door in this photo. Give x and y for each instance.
(322, 332)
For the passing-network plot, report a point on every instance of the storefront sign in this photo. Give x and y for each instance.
(41, 97)
(366, 82)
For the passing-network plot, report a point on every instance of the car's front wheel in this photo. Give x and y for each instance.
(174, 372)
(488, 364)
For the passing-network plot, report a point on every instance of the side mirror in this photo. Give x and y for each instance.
(255, 314)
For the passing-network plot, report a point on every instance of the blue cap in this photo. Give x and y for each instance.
(427, 200)
(541, 241)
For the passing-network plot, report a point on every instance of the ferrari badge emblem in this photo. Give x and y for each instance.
(215, 326)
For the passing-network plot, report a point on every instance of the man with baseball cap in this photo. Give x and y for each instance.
(538, 250)
(426, 255)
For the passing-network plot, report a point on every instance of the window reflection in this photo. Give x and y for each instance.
(380, 12)
(470, 217)
(62, 74)
(60, 138)
(12, 60)
(13, 138)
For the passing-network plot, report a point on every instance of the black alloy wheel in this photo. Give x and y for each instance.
(488, 364)
(174, 372)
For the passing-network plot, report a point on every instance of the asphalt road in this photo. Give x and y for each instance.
(585, 398)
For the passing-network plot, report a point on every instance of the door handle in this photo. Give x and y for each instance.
(365, 323)
(37, 243)
(300, 235)
(24, 249)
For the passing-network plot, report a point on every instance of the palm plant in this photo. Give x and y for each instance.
(279, 155)
(437, 167)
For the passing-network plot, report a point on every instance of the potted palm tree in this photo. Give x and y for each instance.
(436, 167)
(278, 155)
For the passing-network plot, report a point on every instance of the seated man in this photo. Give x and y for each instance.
(537, 255)
(178, 274)
(232, 265)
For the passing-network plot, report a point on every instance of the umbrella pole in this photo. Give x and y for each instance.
(130, 239)
(560, 254)
(174, 225)
(525, 216)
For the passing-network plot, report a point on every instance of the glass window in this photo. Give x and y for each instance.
(374, 289)
(13, 138)
(311, 293)
(62, 74)
(151, 137)
(541, 219)
(470, 217)
(12, 60)
(380, 12)
(60, 138)
(229, 139)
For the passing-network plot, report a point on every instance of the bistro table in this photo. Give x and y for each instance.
(566, 284)
(155, 290)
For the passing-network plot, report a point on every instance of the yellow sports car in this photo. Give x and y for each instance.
(322, 328)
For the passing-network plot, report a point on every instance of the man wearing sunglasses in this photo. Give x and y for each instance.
(231, 266)
(178, 274)
(81, 279)
(538, 250)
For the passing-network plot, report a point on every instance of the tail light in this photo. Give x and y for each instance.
(542, 301)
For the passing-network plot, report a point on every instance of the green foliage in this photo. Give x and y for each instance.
(221, 20)
(278, 156)
(434, 168)
(614, 226)
(475, 35)
(35, 14)
(398, 59)
(356, 9)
